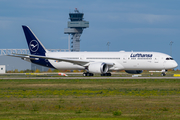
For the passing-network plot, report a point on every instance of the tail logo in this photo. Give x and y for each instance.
(33, 45)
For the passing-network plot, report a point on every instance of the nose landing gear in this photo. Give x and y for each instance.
(164, 72)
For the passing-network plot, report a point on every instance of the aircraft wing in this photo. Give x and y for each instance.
(25, 57)
(36, 57)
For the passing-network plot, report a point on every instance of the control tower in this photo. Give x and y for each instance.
(75, 29)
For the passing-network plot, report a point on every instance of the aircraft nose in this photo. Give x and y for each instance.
(174, 64)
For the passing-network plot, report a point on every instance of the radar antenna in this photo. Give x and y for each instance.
(76, 10)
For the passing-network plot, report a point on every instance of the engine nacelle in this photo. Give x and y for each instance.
(98, 68)
(134, 71)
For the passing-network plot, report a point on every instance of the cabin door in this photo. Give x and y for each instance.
(125, 59)
(156, 59)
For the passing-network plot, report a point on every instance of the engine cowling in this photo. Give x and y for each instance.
(134, 71)
(98, 68)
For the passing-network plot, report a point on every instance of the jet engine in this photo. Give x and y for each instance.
(134, 71)
(98, 68)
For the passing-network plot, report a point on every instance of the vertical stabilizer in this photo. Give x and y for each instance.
(35, 46)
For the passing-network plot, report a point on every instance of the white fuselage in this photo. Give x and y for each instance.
(121, 60)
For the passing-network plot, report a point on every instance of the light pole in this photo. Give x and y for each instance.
(171, 47)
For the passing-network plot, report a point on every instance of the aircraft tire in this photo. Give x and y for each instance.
(88, 74)
(163, 74)
(84, 74)
(106, 74)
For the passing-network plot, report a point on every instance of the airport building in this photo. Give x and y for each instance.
(76, 25)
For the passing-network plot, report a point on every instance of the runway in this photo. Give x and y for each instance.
(21, 78)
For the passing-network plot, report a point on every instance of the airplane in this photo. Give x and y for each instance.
(95, 62)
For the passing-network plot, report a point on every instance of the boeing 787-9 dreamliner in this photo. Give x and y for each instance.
(95, 62)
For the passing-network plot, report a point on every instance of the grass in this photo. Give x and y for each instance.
(90, 99)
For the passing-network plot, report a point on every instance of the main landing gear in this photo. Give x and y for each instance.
(91, 74)
(106, 74)
(88, 74)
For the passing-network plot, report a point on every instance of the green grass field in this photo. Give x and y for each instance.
(90, 99)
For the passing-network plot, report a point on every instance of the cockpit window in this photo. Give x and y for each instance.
(169, 59)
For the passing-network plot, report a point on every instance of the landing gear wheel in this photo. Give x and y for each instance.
(88, 74)
(163, 74)
(84, 74)
(106, 74)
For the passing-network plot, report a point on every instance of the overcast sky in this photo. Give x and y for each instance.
(138, 25)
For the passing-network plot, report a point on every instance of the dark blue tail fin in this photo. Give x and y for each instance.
(35, 46)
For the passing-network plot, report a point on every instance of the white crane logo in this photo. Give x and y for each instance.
(33, 45)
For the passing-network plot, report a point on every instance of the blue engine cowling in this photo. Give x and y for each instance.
(134, 71)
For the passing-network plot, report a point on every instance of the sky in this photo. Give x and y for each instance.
(140, 25)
